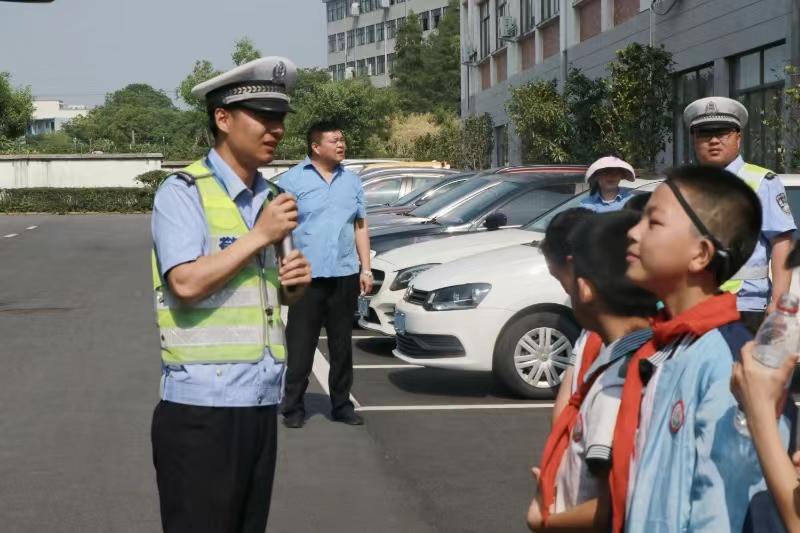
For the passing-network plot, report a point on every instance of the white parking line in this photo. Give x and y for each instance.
(321, 368)
(10, 235)
(370, 367)
(358, 337)
(31, 227)
(455, 407)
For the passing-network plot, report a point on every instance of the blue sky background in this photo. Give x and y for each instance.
(78, 50)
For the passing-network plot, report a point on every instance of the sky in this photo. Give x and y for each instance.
(79, 50)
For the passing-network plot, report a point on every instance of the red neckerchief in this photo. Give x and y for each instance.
(558, 440)
(697, 321)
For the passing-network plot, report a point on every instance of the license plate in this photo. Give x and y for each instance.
(363, 307)
(400, 323)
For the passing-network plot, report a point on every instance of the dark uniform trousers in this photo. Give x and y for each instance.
(330, 302)
(752, 320)
(214, 467)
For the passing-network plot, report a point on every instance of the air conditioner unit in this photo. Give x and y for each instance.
(508, 27)
(355, 9)
(386, 4)
(349, 73)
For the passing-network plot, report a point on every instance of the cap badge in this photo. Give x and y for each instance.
(279, 73)
(677, 416)
(711, 108)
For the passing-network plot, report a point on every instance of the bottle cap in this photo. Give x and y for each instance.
(788, 303)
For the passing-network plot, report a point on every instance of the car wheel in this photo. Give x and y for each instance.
(533, 353)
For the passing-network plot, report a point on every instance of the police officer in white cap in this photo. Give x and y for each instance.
(219, 286)
(716, 124)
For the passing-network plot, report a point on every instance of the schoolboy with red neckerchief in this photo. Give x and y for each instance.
(678, 464)
(576, 459)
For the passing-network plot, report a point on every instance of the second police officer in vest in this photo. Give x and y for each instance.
(716, 125)
(217, 280)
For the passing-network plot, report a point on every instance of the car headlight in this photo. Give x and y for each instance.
(467, 296)
(405, 276)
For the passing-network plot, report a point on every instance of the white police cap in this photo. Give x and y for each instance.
(715, 112)
(261, 85)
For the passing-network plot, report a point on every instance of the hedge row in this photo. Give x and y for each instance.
(76, 200)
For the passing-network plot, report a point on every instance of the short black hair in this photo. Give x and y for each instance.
(315, 131)
(555, 245)
(599, 248)
(726, 205)
(638, 201)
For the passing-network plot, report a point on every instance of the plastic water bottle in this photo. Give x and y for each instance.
(776, 339)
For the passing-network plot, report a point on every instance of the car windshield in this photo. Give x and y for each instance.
(432, 208)
(540, 224)
(478, 204)
(409, 198)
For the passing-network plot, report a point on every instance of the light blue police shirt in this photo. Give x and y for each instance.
(180, 234)
(326, 216)
(776, 219)
(596, 203)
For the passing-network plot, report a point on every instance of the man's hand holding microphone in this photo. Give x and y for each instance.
(275, 224)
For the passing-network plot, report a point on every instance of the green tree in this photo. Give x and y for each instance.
(243, 51)
(466, 144)
(308, 79)
(16, 108)
(637, 121)
(585, 98)
(441, 73)
(362, 111)
(477, 142)
(540, 116)
(203, 71)
(409, 65)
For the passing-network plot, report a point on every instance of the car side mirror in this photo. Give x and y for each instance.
(495, 221)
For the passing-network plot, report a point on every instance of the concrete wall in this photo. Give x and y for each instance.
(17, 171)
(697, 32)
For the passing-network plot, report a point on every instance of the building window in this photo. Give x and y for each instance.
(390, 64)
(331, 11)
(527, 15)
(331, 43)
(391, 29)
(436, 17)
(371, 66)
(689, 86)
(340, 71)
(758, 83)
(485, 20)
(501, 66)
(380, 65)
(424, 20)
(550, 9)
(341, 9)
(361, 67)
(486, 75)
(400, 23)
(360, 35)
(371, 34)
(589, 19)
(341, 42)
(351, 38)
(500, 12)
(379, 32)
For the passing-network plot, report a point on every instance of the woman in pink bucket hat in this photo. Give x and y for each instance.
(603, 177)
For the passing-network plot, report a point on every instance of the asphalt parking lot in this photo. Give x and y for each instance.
(440, 451)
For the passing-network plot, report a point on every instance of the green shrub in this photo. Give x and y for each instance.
(152, 178)
(76, 200)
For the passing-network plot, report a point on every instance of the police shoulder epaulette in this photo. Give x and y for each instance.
(186, 177)
(770, 175)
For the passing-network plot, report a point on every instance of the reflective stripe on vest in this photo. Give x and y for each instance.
(753, 175)
(238, 322)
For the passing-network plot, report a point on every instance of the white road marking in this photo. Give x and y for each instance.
(370, 367)
(31, 227)
(455, 407)
(321, 368)
(10, 235)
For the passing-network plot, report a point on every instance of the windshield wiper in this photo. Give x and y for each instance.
(432, 221)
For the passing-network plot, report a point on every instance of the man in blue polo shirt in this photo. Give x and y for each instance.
(332, 233)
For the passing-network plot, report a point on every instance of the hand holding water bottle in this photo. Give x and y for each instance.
(760, 380)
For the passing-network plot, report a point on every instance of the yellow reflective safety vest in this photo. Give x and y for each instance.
(753, 175)
(236, 323)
